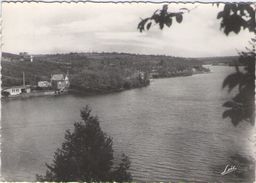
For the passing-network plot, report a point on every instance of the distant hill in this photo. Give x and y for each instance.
(68, 57)
(23, 56)
(5, 54)
(227, 60)
(10, 56)
(110, 56)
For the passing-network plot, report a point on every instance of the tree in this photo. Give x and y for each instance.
(241, 106)
(161, 17)
(5, 94)
(86, 155)
(234, 16)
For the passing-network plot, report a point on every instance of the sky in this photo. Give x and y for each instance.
(45, 28)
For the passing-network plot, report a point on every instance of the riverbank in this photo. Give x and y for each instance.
(166, 71)
(83, 91)
(72, 90)
(89, 91)
(92, 70)
(35, 94)
(97, 73)
(181, 73)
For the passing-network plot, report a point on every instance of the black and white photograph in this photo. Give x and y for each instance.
(128, 91)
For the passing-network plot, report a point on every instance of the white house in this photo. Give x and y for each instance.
(17, 90)
(59, 82)
(67, 81)
(43, 84)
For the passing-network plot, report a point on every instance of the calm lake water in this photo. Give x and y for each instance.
(171, 130)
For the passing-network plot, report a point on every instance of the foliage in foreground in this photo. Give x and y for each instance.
(86, 155)
(241, 107)
(233, 17)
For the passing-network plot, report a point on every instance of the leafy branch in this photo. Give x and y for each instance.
(235, 16)
(241, 107)
(162, 17)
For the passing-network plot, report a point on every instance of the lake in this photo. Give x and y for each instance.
(171, 130)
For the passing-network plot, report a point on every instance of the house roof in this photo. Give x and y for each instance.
(57, 77)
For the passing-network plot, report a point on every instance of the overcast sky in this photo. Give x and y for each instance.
(84, 27)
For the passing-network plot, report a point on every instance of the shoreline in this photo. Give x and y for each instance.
(81, 92)
(88, 92)
(34, 94)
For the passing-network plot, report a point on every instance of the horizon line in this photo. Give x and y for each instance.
(115, 52)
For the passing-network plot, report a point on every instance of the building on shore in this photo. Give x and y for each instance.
(44, 84)
(16, 90)
(60, 82)
(31, 58)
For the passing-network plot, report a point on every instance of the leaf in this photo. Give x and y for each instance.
(250, 10)
(234, 7)
(169, 22)
(179, 18)
(165, 8)
(232, 80)
(227, 113)
(156, 18)
(220, 14)
(229, 104)
(161, 25)
(227, 8)
(142, 24)
(149, 25)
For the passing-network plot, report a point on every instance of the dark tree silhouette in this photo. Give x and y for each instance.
(86, 155)
(234, 17)
(241, 106)
(162, 17)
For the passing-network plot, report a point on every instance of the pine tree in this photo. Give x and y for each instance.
(86, 155)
